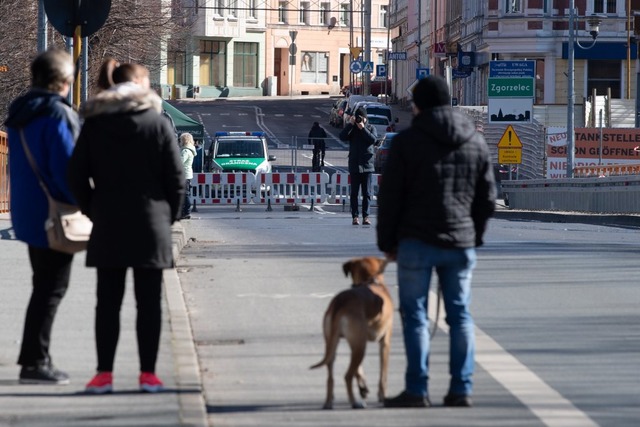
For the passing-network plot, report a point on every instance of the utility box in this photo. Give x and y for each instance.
(272, 85)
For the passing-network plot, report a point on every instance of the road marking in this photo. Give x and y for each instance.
(540, 398)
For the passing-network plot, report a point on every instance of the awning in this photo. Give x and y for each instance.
(183, 122)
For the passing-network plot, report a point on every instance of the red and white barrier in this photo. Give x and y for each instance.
(340, 187)
(292, 188)
(222, 188)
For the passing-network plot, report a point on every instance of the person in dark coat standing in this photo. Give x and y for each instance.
(361, 137)
(317, 137)
(436, 197)
(127, 176)
(50, 129)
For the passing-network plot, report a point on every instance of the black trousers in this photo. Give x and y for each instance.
(186, 206)
(360, 181)
(148, 293)
(50, 280)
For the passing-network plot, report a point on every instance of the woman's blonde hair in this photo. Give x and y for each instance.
(186, 139)
(51, 70)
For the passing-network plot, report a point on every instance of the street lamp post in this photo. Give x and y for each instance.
(594, 22)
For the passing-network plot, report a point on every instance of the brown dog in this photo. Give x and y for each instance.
(363, 312)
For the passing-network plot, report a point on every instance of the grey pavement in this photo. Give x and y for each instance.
(73, 349)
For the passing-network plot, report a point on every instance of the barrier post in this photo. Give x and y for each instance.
(269, 208)
(238, 209)
(344, 204)
(194, 208)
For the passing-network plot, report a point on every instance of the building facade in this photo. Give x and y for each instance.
(274, 47)
(461, 37)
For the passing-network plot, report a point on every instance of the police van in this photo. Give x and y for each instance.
(240, 152)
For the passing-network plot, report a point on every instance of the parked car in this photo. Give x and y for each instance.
(352, 101)
(382, 151)
(381, 123)
(337, 112)
(378, 109)
(376, 87)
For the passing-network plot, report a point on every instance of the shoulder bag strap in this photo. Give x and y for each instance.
(33, 164)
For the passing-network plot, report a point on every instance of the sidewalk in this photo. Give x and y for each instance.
(73, 350)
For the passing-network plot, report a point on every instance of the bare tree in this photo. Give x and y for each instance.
(134, 32)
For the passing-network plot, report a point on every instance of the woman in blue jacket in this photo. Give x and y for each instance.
(50, 129)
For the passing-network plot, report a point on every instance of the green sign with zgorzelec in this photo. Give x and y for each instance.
(520, 87)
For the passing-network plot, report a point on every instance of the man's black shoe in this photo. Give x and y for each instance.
(42, 374)
(458, 400)
(406, 400)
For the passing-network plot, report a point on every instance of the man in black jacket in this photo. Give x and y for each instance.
(436, 196)
(317, 137)
(362, 138)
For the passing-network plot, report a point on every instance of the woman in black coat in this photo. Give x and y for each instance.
(126, 175)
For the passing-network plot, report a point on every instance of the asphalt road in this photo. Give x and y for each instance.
(555, 304)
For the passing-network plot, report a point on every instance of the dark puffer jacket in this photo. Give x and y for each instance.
(361, 147)
(438, 184)
(127, 176)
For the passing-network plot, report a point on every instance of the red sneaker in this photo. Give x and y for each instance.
(150, 383)
(100, 384)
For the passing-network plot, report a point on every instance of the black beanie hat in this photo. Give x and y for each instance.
(431, 91)
(362, 112)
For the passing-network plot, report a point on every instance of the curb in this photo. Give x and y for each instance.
(610, 220)
(186, 367)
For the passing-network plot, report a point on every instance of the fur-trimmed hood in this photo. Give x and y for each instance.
(121, 98)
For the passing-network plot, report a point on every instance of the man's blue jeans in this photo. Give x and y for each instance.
(416, 261)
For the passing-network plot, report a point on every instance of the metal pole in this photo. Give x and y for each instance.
(571, 97)
(600, 148)
(366, 82)
(42, 27)
(629, 49)
(386, 56)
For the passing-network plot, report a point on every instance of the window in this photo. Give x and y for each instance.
(603, 75)
(325, 10)
(314, 67)
(219, 8)
(303, 18)
(282, 12)
(176, 68)
(382, 20)
(245, 64)
(233, 8)
(514, 6)
(344, 14)
(252, 11)
(213, 60)
(604, 6)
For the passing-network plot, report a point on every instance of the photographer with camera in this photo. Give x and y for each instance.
(361, 137)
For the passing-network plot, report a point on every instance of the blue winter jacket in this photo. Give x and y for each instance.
(50, 128)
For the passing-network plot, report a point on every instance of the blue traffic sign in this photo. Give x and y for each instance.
(355, 67)
(367, 67)
(421, 73)
(381, 70)
(397, 56)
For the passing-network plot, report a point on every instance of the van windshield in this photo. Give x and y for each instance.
(240, 148)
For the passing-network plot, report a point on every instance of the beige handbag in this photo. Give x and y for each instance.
(68, 229)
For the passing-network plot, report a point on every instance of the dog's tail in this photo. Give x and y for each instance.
(331, 344)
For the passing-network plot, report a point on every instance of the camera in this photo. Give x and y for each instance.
(358, 119)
